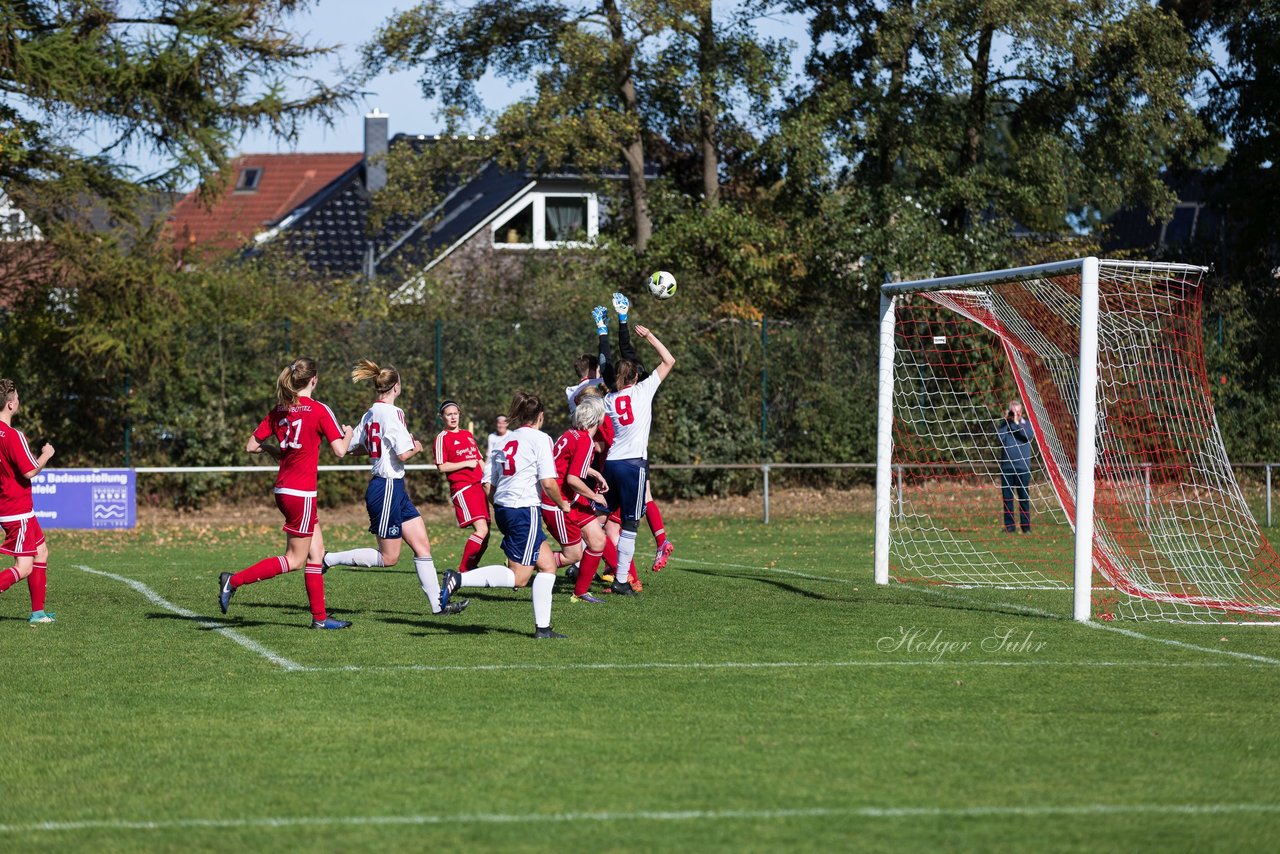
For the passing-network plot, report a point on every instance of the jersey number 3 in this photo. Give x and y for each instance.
(509, 458)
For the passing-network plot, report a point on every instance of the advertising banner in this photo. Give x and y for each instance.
(84, 498)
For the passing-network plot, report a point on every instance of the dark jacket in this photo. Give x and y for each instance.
(1015, 446)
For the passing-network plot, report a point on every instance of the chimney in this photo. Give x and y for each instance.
(375, 150)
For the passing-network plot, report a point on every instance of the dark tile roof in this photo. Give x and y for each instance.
(330, 229)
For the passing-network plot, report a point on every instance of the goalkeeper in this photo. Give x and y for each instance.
(1014, 433)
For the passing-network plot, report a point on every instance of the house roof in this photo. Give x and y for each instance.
(283, 182)
(330, 230)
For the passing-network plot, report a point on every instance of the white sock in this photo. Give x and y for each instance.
(493, 575)
(543, 582)
(355, 557)
(626, 551)
(426, 569)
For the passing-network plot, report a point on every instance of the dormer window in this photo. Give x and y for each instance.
(548, 221)
(248, 180)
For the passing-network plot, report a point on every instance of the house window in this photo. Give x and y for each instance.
(519, 229)
(248, 180)
(566, 218)
(548, 220)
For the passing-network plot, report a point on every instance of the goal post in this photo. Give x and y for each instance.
(1115, 485)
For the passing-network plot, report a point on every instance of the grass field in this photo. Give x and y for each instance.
(761, 694)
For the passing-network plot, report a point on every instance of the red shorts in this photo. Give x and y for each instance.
(22, 537)
(470, 504)
(566, 528)
(299, 514)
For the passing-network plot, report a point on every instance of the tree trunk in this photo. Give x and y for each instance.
(633, 149)
(709, 107)
(976, 125)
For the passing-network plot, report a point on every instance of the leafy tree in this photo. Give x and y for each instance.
(1042, 113)
(585, 61)
(178, 78)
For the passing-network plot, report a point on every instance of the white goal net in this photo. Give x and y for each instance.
(973, 494)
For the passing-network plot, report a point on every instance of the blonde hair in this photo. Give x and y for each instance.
(588, 392)
(293, 380)
(384, 379)
(590, 413)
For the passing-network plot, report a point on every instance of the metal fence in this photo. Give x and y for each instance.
(763, 468)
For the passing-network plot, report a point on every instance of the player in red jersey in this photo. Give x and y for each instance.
(23, 539)
(601, 441)
(572, 453)
(458, 456)
(299, 424)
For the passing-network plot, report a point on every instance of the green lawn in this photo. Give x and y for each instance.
(758, 695)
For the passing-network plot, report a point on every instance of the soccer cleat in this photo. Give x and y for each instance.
(40, 617)
(453, 608)
(547, 634)
(324, 563)
(330, 623)
(606, 579)
(452, 581)
(600, 315)
(663, 555)
(622, 306)
(635, 584)
(571, 572)
(224, 591)
(621, 588)
(587, 597)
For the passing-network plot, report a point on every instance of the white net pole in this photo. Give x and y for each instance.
(1086, 455)
(884, 439)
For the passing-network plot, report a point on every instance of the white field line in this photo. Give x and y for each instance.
(231, 634)
(1034, 612)
(994, 811)
(760, 665)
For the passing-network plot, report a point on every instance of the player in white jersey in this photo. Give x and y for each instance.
(383, 435)
(512, 480)
(588, 368)
(630, 410)
(496, 438)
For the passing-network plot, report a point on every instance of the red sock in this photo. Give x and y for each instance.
(611, 554)
(314, 576)
(266, 568)
(654, 517)
(36, 581)
(633, 578)
(8, 578)
(472, 552)
(587, 571)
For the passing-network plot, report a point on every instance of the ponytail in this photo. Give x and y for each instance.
(293, 380)
(525, 408)
(384, 379)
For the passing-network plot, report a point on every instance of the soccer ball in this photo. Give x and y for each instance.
(662, 285)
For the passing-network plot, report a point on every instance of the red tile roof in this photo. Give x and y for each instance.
(285, 181)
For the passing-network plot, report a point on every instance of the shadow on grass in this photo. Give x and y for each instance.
(451, 625)
(227, 622)
(771, 581)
